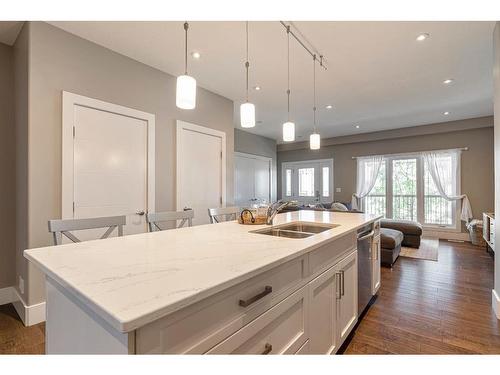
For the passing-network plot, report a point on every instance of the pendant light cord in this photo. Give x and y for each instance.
(186, 27)
(288, 69)
(247, 64)
(314, 92)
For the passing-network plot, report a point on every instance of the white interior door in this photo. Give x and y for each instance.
(252, 179)
(108, 163)
(201, 176)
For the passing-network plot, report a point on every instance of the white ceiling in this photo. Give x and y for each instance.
(379, 77)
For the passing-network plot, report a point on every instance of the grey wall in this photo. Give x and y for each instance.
(257, 145)
(477, 163)
(21, 55)
(61, 61)
(496, 100)
(7, 168)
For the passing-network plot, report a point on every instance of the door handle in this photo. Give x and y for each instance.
(140, 213)
(342, 283)
(337, 285)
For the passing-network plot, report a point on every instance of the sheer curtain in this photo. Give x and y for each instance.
(368, 168)
(443, 178)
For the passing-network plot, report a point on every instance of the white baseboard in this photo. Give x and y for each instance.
(495, 303)
(446, 235)
(30, 315)
(7, 295)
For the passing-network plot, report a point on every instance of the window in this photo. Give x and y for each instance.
(326, 182)
(375, 202)
(439, 211)
(405, 190)
(288, 183)
(308, 182)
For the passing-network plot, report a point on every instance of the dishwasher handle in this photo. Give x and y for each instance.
(365, 237)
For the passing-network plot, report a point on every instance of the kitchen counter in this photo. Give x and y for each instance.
(133, 280)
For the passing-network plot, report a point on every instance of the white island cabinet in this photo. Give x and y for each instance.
(212, 289)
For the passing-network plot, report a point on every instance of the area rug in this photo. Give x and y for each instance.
(428, 250)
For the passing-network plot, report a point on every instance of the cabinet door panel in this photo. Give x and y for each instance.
(323, 297)
(348, 302)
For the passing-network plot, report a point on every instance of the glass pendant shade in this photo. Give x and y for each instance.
(186, 92)
(314, 141)
(288, 132)
(247, 115)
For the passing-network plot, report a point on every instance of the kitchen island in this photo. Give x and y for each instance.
(219, 288)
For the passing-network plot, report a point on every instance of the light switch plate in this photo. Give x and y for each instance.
(338, 190)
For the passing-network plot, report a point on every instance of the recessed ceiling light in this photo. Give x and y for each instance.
(329, 106)
(422, 37)
(448, 81)
(357, 126)
(446, 113)
(196, 55)
(256, 88)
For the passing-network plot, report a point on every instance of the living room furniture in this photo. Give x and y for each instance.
(489, 230)
(412, 231)
(390, 245)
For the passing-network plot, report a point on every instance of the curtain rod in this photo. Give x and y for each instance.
(318, 55)
(413, 153)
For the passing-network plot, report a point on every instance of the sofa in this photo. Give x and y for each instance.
(412, 231)
(390, 245)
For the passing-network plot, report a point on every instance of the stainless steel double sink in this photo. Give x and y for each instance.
(297, 229)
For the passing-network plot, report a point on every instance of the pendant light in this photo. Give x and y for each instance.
(288, 126)
(314, 138)
(247, 109)
(186, 85)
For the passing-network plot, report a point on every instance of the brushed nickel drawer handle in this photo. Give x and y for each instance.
(245, 303)
(267, 349)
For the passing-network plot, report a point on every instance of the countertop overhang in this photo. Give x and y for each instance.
(133, 280)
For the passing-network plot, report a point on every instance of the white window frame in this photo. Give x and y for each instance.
(294, 166)
(456, 225)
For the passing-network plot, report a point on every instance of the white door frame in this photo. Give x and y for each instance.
(182, 126)
(69, 100)
(264, 158)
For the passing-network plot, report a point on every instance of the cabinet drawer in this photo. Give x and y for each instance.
(281, 330)
(202, 325)
(324, 257)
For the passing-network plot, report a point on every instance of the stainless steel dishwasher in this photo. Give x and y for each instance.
(365, 238)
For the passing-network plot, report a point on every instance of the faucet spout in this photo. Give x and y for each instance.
(273, 210)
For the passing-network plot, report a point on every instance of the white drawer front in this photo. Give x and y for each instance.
(201, 326)
(281, 330)
(324, 257)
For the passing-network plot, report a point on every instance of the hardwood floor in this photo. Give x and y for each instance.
(423, 307)
(15, 338)
(426, 307)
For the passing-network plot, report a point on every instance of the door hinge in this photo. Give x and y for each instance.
(73, 208)
(221, 154)
(220, 200)
(74, 131)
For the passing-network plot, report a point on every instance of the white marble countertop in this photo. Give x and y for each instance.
(133, 280)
